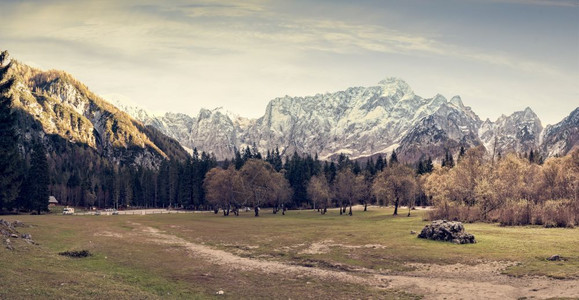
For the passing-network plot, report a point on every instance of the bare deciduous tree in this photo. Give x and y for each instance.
(396, 184)
(319, 191)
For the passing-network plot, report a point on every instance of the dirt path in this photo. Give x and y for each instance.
(482, 281)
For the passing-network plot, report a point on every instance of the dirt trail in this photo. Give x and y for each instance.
(482, 281)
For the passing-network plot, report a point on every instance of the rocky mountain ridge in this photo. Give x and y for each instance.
(362, 122)
(54, 107)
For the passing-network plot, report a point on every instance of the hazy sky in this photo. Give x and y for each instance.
(499, 56)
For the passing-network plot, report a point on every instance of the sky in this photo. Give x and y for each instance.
(500, 56)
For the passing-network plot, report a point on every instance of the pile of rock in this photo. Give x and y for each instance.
(448, 231)
(8, 231)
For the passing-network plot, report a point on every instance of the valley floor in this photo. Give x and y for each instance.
(300, 255)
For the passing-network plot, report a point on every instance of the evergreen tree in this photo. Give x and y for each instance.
(247, 154)
(330, 172)
(380, 163)
(393, 158)
(370, 167)
(429, 167)
(238, 160)
(10, 160)
(343, 162)
(277, 162)
(448, 160)
(461, 153)
(38, 180)
(420, 168)
(356, 168)
(185, 189)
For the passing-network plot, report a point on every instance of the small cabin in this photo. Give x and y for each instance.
(52, 201)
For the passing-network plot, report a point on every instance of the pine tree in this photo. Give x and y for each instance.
(380, 163)
(429, 167)
(38, 179)
(532, 156)
(238, 160)
(420, 168)
(448, 160)
(461, 153)
(10, 161)
(277, 162)
(356, 168)
(247, 154)
(370, 167)
(393, 158)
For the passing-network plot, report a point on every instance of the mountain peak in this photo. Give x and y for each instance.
(529, 112)
(457, 101)
(393, 86)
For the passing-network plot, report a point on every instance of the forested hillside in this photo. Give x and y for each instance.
(90, 146)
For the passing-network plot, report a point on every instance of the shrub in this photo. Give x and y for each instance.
(558, 214)
(516, 213)
(76, 254)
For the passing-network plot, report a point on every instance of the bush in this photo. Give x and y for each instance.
(559, 214)
(554, 213)
(516, 213)
(550, 214)
(76, 254)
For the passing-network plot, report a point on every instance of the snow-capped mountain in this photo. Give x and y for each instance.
(216, 131)
(562, 137)
(519, 132)
(359, 122)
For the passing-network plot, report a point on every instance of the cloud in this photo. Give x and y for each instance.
(179, 31)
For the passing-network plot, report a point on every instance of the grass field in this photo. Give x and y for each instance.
(299, 255)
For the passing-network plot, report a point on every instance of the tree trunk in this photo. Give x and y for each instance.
(257, 211)
(365, 206)
(350, 213)
(396, 207)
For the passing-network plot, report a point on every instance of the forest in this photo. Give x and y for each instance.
(516, 189)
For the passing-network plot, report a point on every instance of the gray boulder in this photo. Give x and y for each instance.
(443, 230)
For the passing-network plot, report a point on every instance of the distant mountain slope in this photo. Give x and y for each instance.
(53, 103)
(561, 138)
(519, 132)
(362, 122)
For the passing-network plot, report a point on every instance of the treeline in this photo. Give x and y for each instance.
(513, 190)
(251, 180)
